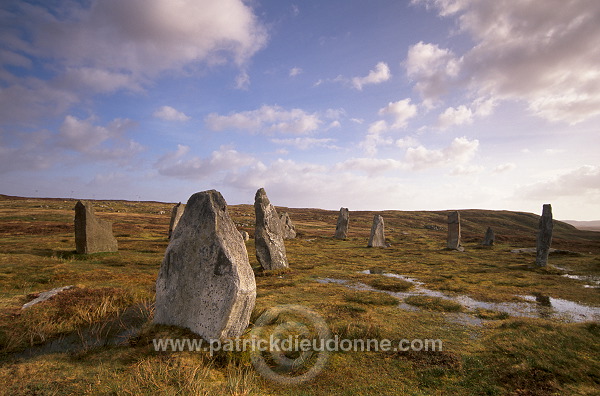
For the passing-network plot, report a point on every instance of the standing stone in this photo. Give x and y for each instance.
(377, 238)
(341, 228)
(205, 282)
(454, 231)
(245, 235)
(544, 237)
(92, 235)
(176, 214)
(268, 238)
(489, 238)
(287, 227)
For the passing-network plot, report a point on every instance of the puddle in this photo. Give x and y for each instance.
(592, 282)
(111, 333)
(533, 307)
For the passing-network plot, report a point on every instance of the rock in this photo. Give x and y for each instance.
(245, 235)
(377, 238)
(205, 282)
(287, 227)
(544, 237)
(341, 228)
(92, 235)
(489, 238)
(43, 296)
(268, 238)
(433, 227)
(454, 231)
(176, 214)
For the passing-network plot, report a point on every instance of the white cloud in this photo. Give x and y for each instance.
(433, 69)
(463, 170)
(374, 137)
(504, 167)
(455, 116)
(401, 111)
(294, 71)
(242, 81)
(267, 119)
(554, 151)
(225, 159)
(584, 180)
(371, 166)
(304, 143)
(459, 152)
(378, 75)
(407, 141)
(168, 113)
(524, 51)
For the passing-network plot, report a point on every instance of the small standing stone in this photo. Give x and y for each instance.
(489, 238)
(544, 237)
(341, 228)
(287, 227)
(92, 235)
(454, 231)
(176, 214)
(205, 282)
(377, 238)
(245, 235)
(268, 238)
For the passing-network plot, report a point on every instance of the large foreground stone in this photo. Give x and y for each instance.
(205, 282)
(176, 214)
(268, 238)
(489, 238)
(287, 227)
(377, 238)
(92, 235)
(341, 228)
(454, 231)
(544, 237)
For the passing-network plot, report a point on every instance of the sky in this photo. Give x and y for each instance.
(370, 105)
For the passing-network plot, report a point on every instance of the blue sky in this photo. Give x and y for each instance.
(370, 105)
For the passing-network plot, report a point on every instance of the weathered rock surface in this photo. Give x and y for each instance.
(43, 296)
(454, 231)
(341, 228)
(489, 238)
(176, 214)
(92, 235)
(268, 235)
(377, 238)
(287, 227)
(205, 282)
(544, 237)
(245, 235)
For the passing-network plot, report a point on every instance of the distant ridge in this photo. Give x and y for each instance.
(593, 225)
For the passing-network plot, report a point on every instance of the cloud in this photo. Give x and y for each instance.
(504, 167)
(304, 143)
(459, 152)
(294, 71)
(371, 166)
(378, 75)
(168, 113)
(28, 151)
(463, 170)
(455, 116)
(267, 120)
(433, 69)
(374, 137)
(523, 51)
(225, 159)
(401, 111)
(407, 141)
(577, 182)
(242, 81)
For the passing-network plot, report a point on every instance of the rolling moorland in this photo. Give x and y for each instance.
(96, 338)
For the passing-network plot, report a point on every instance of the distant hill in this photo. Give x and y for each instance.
(593, 225)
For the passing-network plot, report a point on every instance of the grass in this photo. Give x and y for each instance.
(504, 356)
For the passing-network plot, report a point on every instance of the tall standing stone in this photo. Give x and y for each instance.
(341, 228)
(489, 238)
(377, 238)
(454, 231)
(268, 238)
(176, 214)
(287, 227)
(544, 237)
(205, 282)
(92, 235)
